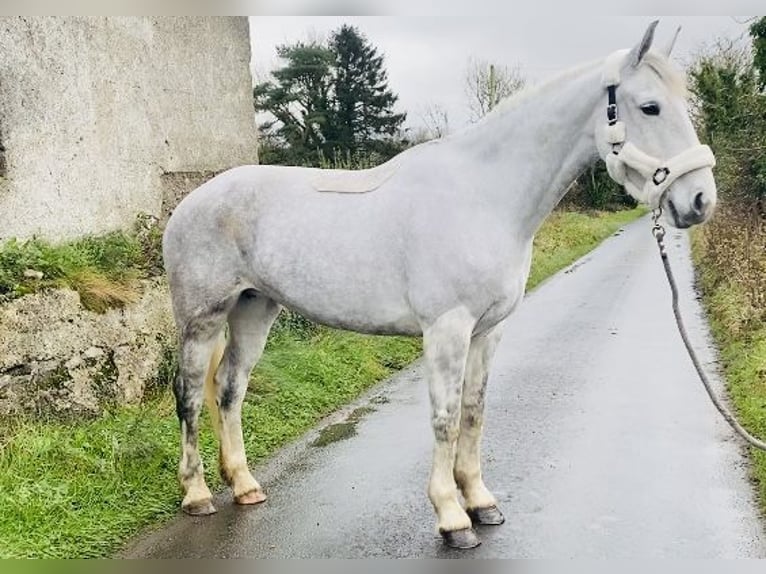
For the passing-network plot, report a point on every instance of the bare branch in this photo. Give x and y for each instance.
(435, 122)
(487, 84)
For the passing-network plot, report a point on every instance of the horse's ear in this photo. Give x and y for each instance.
(637, 54)
(669, 48)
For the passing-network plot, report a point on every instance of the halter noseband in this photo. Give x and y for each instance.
(658, 175)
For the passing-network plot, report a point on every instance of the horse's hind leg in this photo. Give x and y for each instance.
(446, 345)
(249, 323)
(198, 339)
(479, 501)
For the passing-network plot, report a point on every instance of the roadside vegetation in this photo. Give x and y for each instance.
(568, 235)
(81, 490)
(728, 83)
(104, 270)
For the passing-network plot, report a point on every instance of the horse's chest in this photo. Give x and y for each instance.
(506, 296)
(498, 311)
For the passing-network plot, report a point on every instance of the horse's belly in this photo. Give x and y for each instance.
(382, 316)
(367, 298)
(372, 323)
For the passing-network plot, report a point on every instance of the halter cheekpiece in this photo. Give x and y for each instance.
(658, 174)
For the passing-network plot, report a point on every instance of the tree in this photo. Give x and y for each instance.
(595, 189)
(724, 86)
(329, 99)
(298, 99)
(730, 112)
(758, 33)
(488, 84)
(363, 111)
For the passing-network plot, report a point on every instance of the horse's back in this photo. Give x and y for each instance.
(335, 257)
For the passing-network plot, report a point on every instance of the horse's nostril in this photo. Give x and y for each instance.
(699, 202)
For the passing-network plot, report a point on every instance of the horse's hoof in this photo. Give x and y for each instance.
(253, 497)
(461, 539)
(490, 516)
(199, 508)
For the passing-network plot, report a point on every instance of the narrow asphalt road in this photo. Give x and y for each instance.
(599, 443)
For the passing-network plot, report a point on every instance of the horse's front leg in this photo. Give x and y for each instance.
(479, 501)
(446, 344)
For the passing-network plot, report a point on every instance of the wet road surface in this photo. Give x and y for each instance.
(599, 443)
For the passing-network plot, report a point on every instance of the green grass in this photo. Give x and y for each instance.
(741, 339)
(82, 490)
(568, 235)
(102, 269)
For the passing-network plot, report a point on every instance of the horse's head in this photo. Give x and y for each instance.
(645, 135)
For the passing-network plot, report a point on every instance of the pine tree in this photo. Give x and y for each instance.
(299, 101)
(364, 114)
(328, 100)
(758, 33)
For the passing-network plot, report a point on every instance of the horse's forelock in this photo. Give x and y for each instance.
(673, 78)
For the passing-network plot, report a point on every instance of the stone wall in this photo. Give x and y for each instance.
(56, 358)
(98, 113)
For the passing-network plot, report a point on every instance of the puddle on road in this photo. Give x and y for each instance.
(342, 430)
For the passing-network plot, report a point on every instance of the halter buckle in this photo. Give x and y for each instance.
(611, 113)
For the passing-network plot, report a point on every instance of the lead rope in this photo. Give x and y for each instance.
(659, 234)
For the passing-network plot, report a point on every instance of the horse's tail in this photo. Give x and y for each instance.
(210, 391)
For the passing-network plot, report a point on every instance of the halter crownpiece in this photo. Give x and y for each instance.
(659, 175)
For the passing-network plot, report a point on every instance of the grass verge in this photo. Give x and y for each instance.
(568, 235)
(81, 490)
(740, 334)
(104, 270)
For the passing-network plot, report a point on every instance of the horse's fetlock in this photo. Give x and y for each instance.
(463, 478)
(225, 475)
(188, 472)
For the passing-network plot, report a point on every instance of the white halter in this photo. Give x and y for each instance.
(658, 174)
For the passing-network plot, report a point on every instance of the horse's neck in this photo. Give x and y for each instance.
(527, 153)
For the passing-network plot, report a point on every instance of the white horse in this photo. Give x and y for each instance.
(437, 242)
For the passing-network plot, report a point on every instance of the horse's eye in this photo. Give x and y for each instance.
(651, 109)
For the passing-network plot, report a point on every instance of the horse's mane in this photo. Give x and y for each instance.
(673, 78)
(516, 99)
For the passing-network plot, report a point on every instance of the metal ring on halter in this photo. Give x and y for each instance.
(660, 175)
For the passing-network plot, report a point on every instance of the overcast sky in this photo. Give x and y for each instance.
(427, 57)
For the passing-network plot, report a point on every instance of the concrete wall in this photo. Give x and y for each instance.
(97, 115)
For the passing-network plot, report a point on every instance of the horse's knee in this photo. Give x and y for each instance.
(446, 425)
